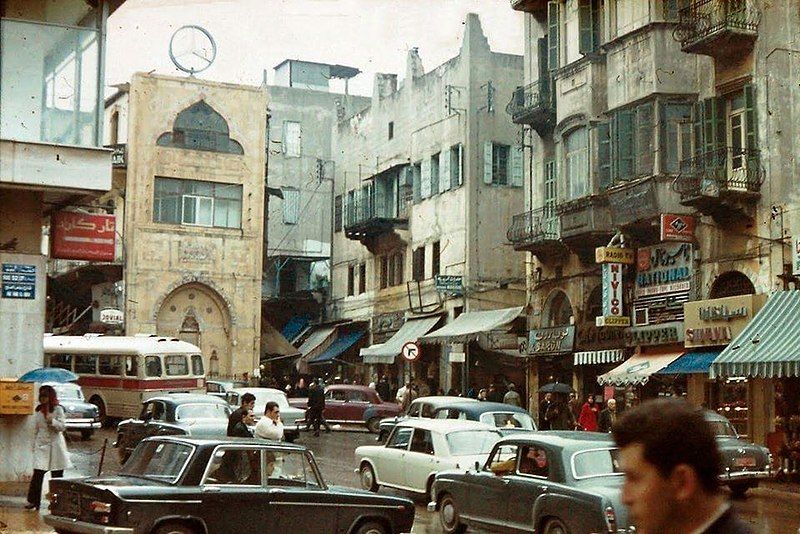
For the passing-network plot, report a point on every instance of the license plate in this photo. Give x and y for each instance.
(744, 462)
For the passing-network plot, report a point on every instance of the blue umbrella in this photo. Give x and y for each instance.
(49, 374)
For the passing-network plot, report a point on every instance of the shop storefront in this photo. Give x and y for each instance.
(550, 353)
(597, 351)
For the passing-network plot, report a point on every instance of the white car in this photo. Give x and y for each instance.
(289, 415)
(417, 449)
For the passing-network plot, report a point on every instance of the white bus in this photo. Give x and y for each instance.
(118, 373)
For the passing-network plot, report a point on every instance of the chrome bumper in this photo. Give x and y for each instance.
(82, 424)
(82, 527)
(738, 475)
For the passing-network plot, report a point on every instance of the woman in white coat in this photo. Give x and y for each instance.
(49, 446)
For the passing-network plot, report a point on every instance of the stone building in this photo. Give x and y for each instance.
(426, 180)
(670, 126)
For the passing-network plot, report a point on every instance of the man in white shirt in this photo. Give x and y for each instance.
(270, 426)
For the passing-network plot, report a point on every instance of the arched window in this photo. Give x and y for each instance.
(731, 284)
(558, 310)
(200, 127)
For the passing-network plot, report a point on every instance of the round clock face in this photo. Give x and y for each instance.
(192, 49)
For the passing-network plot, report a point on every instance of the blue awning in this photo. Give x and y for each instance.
(342, 343)
(691, 362)
(296, 324)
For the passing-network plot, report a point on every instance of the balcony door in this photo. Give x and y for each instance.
(549, 220)
(737, 141)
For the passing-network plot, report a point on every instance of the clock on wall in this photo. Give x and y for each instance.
(192, 49)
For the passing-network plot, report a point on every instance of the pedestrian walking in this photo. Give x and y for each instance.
(671, 463)
(512, 397)
(270, 426)
(574, 405)
(608, 416)
(316, 405)
(382, 387)
(588, 418)
(483, 395)
(544, 424)
(242, 417)
(559, 415)
(494, 394)
(49, 446)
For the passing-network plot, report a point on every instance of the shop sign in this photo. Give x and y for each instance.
(457, 354)
(719, 321)
(111, 316)
(677, 227)
(614, 255)
(554, 340)
(664, 268)
(658, 334)
(612, 297)
(591, 337)
(796, 255)
(82, 236)
(448, 283)
(19, 281)
(499, 340)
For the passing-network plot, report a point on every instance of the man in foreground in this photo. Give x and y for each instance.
(240, 418)
(270, 426)
(671, 463)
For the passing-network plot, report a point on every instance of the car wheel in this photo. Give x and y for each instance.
(86, 434)
(448, 516)
(555, 526)
(374, 425)
(105, 421)
(371, 527)
(738, 491)
(175, 528)
(367, 476)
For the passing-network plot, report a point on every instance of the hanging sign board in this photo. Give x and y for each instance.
(677, 227)
(612, 297)
(614, 255)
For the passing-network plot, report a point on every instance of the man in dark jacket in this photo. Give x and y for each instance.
(671, 463)
(382, 388)
(316, 405)
(237, 424)
(608, 416)
(544, 424)
(559, 416)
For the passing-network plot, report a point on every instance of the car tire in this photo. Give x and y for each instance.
(555, 526)
(367, 477)
(371, 527)
(738, 491)
(374, 425)
(174, 528)
(448, 516)
(105, 421)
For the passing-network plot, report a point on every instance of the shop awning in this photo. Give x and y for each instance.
(342, 343)
(691, 363)
(295, 327)
(769, 346)
(273, 345)
(410, 331)
(637, 369)
(469, 325)
(594, 357)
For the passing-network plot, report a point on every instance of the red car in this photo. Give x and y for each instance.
(350, 404)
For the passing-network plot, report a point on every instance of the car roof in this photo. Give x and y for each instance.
(256, 391)
(187, 398)
(564, 439)
(445, 425)
(483, 407)
(214, 442)
(439, 400)
(351, 387)
(62, 384)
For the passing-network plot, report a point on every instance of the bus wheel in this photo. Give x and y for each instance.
(105, 421)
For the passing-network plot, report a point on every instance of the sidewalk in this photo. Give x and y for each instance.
(14, 518)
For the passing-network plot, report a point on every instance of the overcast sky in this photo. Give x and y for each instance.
(253, 35)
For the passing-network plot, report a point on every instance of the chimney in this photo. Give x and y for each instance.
(414, 67)
(383, 86)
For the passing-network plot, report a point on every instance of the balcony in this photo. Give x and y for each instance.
(369, 214)
(722, 182)
(538, 232)
(533, 105)
(637, 206)
(585, 225)
(537, 8)
(718, 27)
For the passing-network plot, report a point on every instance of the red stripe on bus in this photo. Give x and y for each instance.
(127, 383)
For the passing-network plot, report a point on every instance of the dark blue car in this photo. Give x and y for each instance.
(505, 417)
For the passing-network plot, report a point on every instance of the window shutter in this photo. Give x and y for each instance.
(709, 111)
(337, 213)
(586, 37)
(625, 143)
(750, 117)
(444, 171)
(425, 188)
(488, 150)
(517, 166)
(460, 164)
(604, 155)
(698, 112)
(720, 137)
(644, 139)
(416, 185)
(553, 7)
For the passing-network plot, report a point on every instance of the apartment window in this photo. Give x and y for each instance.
(337, 213)
(456, 170)
(291, 139)
(113, 128)
(550, 191)
(384, 274)
(502, 164)
(590, 20)
(416, 181)
(197, 203)
(351, 280)
(553, 30)
(435, 258)
(632, 139)
(576, 159)
(418, 264)
(676, 135)
(291, 205)
(500, 159)
(391, 129)
(391, 274)
(435, 174)
(362, 278)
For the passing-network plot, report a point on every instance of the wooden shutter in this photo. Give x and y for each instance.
(698, 113)
(625, 143)
(603, 132)
(553, 7)
(416, 182)
(517, 171)
(488, 151)
(644, 139)
(425, 188)
(750, 117)
(460, 164)
(337, 213)
(444, 170)
(586, 36)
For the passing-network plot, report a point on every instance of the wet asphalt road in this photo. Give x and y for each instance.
(768, 510)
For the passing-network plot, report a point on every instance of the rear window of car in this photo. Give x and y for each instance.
(596, 463)
(158, 460)
(202, 411)
(521, 421)
(467, 442)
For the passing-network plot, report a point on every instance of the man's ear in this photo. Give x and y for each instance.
(684, 482)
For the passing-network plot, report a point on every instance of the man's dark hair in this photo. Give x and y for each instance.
(247, 398)
(271, 405)
(672, 433)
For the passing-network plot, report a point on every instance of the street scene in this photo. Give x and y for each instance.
(391, 266)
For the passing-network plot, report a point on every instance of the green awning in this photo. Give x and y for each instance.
(769, 346)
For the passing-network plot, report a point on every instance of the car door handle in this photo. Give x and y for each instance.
(543, 488)
(211, 489)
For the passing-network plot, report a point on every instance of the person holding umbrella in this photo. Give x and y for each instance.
(558, 414)
(49, 446)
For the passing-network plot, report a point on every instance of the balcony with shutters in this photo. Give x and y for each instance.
(718, 28)
(533, 105)
(585, 224)
(370, 213)
(538, 232)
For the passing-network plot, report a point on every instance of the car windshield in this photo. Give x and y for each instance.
(202, 411)
(466, 442)
(596, 463)
(65, 392)
(520, 421)
(723, 429)
(158, 460)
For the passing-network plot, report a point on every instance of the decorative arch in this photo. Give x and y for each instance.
(557, 310)
(731, 284)
(200, 127)
(201, 280)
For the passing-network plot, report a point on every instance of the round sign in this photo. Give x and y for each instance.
(411, 351)
(192, 49)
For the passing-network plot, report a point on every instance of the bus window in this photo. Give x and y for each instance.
(176, 364)
(86, 364)
(131, 365)
(110, 365)
(61, 361)
(152, 365)
(197, 364)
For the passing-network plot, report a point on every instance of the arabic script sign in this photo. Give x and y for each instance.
(664, 268)
(555, 340)
(717, 322)
(19, 281)
(82, 236)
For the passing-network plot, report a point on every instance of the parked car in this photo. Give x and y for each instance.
(81, 416)
(220, 388)
(417, 449)
(744, 464)
(422, 407)
(290, 415)
(351, 404)
(506, 417)
(191, 486)
(179, 414)
(548, 482)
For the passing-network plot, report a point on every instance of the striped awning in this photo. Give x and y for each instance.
(769, 346)
(593, 357)
(637, 370)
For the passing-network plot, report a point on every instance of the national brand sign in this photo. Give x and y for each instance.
(664, 268)
(82, 236)
(677, 227)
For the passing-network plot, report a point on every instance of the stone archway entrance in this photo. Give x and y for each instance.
(197, 314)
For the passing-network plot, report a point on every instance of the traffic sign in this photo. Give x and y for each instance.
(411, 351)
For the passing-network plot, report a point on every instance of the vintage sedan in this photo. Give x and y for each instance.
(352, 404)
(423, 407)
(81, 416)
(547, 482)
(417, 449)
(506, 417)
(220, 388)
(743, 464)
(175, 414)
(291, 416)
(191, 486)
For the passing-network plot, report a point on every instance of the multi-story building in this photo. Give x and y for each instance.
(648, 122)
(51, 158)
(426, 179)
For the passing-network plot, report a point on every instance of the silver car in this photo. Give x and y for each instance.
(289, 415)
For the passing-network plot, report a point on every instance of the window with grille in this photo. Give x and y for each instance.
(291, 205)
(197, 203)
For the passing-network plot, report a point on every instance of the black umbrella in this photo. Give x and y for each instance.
(556, 387)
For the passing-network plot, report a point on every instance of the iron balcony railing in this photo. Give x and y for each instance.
(703, 18)
(535, 226)
(530, 99)
(367, 204)
(725, 169)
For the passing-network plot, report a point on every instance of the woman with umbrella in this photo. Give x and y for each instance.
(49, 446)
(558, 414)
